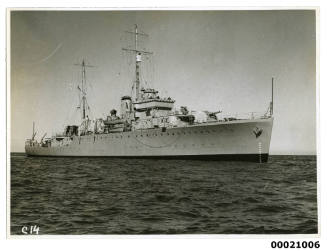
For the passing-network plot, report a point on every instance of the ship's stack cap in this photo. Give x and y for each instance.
(126, 97)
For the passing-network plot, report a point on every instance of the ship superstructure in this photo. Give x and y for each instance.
(149, 126)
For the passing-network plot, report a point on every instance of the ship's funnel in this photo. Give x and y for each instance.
(126, 106)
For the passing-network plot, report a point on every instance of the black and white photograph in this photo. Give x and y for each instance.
(162, 122)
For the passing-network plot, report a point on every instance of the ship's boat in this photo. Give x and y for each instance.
(149, 126)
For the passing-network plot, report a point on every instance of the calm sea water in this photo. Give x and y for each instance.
(125, 196)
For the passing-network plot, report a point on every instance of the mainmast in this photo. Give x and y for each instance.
(138, 59)
(82, 89)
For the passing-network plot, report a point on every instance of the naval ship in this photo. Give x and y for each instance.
(149, 126)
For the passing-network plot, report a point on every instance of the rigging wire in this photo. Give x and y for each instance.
(72, 106)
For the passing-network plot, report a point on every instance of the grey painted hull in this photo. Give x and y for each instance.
(220, 140)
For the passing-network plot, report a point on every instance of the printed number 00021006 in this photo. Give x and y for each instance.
(295, 244)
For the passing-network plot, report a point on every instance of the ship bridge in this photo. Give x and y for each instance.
(146, 103)
(149, 99)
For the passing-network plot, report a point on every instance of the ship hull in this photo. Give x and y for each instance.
(233, 140)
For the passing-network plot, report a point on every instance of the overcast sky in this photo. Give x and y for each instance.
(206, 60)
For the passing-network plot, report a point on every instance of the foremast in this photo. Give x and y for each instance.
(138, 59)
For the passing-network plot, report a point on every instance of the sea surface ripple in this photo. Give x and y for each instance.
(135, 196)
